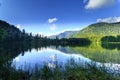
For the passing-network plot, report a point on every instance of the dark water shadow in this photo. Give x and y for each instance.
(111, 46)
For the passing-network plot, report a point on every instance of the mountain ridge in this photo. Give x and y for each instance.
(98, 30)
(64, 34)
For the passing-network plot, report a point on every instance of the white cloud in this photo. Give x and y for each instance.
(18, 26)
(53, 27)
(52, 20)
(96, 4)
(109, 19)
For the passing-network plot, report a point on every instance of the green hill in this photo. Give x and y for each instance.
(98, 30)
(7, 30)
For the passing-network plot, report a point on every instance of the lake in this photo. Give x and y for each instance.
(48, 55)
(27, 56)
(93, 54)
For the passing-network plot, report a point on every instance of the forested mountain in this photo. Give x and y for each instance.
(94, 32)
(65, 34)
(10, 33)
(7, 30)
(98, 30)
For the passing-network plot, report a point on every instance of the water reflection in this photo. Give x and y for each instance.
(49, 56)
(44, 56)
(28, 55)
(111, 46)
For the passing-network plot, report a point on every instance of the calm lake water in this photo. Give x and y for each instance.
(26, 56)
(101, 56)
(48, 56)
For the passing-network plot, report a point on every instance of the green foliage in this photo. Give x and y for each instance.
(109, 39)
(96, 31)
(71, 71)
(1, 33)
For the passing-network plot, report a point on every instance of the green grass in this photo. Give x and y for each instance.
(72, 70)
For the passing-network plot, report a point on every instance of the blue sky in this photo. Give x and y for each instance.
(54, 16)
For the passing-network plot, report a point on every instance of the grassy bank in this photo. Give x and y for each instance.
(72, 70)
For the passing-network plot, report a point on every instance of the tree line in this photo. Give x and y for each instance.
(111, 38)
(10, 33)
(43, 40)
